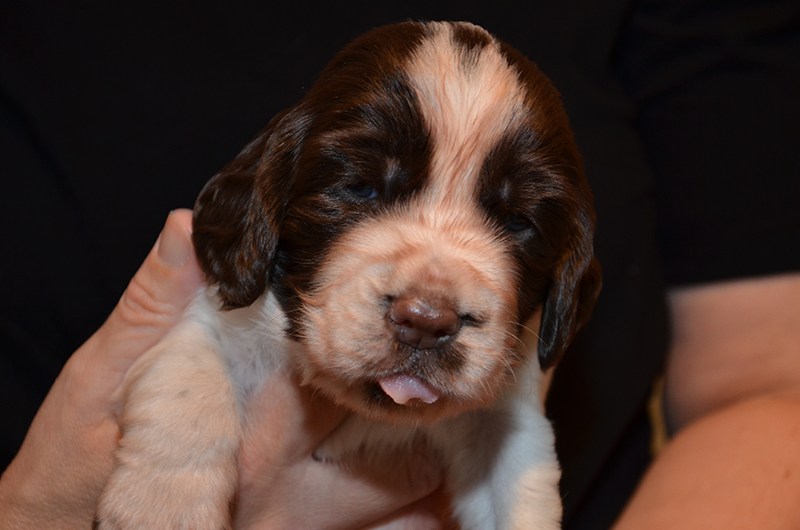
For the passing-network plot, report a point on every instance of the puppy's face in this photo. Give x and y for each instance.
(420, 207)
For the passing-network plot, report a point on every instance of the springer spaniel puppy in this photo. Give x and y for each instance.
(409, 238)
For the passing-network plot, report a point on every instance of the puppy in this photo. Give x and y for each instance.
(408, 238)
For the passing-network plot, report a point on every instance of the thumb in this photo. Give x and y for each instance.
(67, 454)
(153, 302)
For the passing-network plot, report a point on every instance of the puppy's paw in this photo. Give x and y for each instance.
(177, 458)
(188, 499)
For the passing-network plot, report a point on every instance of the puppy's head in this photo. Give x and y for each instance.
(414, 213)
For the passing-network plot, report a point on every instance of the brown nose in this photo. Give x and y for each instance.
(423, 322)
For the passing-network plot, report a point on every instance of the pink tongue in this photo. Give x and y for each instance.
(403, 387)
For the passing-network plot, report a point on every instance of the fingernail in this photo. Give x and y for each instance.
(174, 243)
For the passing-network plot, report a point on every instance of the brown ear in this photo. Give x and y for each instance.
(238, 215)
(570, 300)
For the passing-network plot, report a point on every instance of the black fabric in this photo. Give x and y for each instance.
(617, 479)
(716, 89)
(113, 113)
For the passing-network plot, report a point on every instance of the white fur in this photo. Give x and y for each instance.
(468, 106)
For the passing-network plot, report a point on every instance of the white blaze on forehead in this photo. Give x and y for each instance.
(468, 103)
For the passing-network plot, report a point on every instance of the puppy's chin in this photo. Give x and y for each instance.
(402, 398)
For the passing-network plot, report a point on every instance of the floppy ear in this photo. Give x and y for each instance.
(570, 300)
(239, 213)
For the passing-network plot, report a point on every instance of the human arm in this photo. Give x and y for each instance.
(733, 400)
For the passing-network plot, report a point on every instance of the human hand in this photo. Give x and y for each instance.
(56, 478)
(283, 486)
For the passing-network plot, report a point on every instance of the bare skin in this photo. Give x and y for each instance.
(733, 399)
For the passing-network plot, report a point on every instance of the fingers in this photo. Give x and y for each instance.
(284, 424)
(283, 486)
(428, 513)
(391, 490)
(327, 496)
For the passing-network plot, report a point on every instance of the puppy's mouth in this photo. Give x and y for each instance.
(405, 389)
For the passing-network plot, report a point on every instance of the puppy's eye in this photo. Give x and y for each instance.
(362, 190)
(517, 223)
